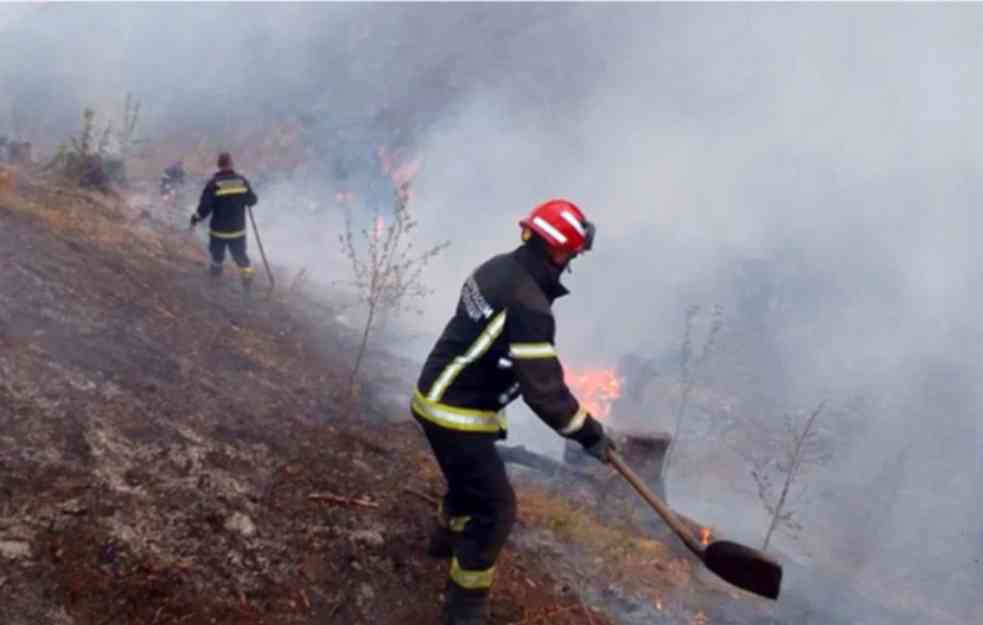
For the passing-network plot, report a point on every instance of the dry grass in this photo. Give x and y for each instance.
(105, 220)
(66, 212)
(7, 179)
(620, 553)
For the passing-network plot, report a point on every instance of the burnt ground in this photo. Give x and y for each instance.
(174, 452)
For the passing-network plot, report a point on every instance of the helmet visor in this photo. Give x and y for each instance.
(589, 231)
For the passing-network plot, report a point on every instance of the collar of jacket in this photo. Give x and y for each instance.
(545, 273)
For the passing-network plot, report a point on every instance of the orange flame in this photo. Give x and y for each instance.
(705, 535)
(596, 388)
(658, 604)
(400, 170)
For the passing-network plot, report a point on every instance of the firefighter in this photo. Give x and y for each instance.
(173, 179)
(225, 198)
(498, 345)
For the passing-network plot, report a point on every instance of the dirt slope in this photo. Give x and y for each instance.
(170, 454)
(174, 452)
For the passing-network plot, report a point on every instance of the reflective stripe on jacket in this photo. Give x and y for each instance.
(225, 198)
(499, 345)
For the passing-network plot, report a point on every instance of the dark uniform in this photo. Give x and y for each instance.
(225, 198)
(498, 345)
(173, 179)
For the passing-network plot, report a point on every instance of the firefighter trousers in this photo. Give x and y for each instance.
(479, 504)
(237, 248)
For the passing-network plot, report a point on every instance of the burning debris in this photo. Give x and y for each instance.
(379, 227)
(596, 388)
(400, 168)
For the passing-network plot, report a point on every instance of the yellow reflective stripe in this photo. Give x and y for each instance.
(455, 418)
(458, 523)
(524, 351)
(476, 351)
(441, 515)
(231, 191)
(247, 269)
(576, 422)
(227, 235)
(471, 579)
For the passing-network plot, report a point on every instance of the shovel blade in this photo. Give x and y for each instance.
(744, 567)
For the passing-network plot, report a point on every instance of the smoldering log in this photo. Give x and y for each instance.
(518, 454)
(645, 452)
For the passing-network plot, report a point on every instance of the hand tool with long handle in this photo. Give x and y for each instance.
(742, 566)
(259, 243)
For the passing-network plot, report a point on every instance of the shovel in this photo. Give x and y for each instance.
(262, 252)
(741, 566)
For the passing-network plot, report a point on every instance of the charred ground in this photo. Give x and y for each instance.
(172, 452)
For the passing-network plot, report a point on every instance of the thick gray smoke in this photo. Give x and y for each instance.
(825, 152)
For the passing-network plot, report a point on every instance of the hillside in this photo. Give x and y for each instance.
(172, 452)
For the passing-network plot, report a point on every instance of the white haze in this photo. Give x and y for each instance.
(841, 138)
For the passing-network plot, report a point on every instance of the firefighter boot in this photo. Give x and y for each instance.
(248, 273)
(215, 270)
(465, 606)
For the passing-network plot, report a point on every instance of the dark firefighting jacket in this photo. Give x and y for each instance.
(225, 198)
(499, 345)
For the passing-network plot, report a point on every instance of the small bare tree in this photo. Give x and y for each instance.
(689, 363)
(126, 135)
(387, 269)
(92, 162)
(798, 449)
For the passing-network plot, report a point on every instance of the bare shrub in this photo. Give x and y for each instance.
(387, 269)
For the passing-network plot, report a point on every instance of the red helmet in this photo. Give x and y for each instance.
(562, 225)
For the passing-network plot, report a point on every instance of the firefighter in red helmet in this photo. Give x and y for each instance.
(498, 345)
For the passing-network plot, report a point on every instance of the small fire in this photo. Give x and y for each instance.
(400, 167)
(699, 618)
(379, 228)
(596, 388)
(658, 604)
(705, 535)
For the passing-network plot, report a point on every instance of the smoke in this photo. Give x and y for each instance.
(818, 142)
(824, 154)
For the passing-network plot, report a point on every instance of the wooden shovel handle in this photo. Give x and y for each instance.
(664, 511)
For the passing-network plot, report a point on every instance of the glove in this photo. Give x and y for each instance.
(602, 448)
(594, 440)
(195, 219)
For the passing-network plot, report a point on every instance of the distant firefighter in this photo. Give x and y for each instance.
(225, 198)
(173, 178)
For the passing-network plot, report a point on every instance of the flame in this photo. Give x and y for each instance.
(400, 171)
(658, 604)
(705, 535)
(596, 388)
(699, 619)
